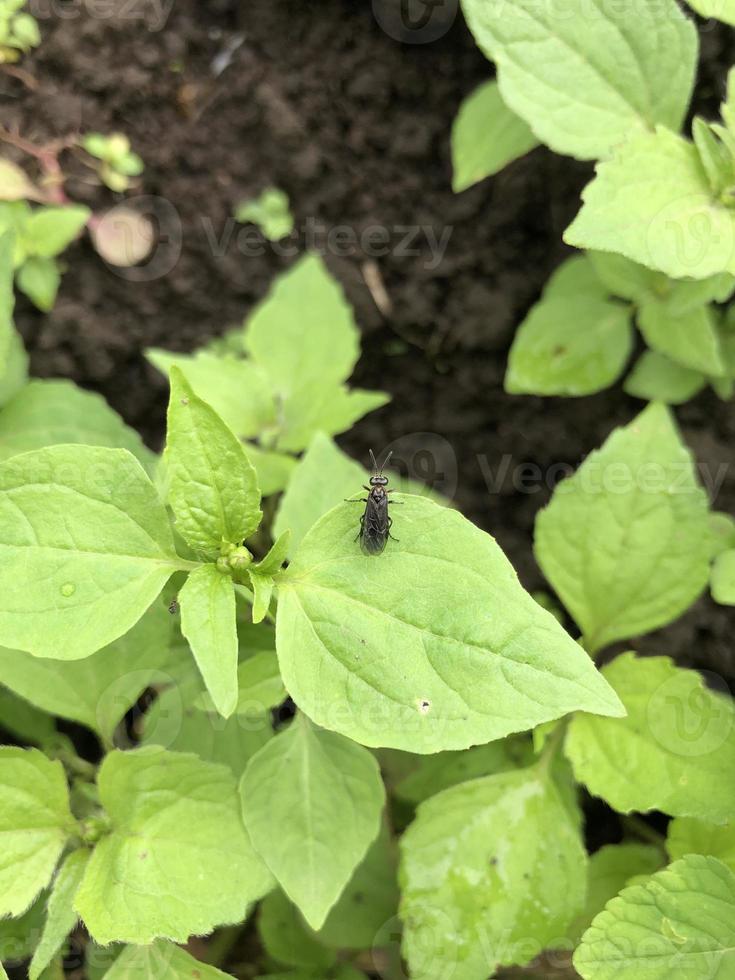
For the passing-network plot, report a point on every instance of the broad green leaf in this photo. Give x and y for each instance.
(273, 469)
(576, 276)
(312, 848)
(681, 296)
(207, 603)
(18, 936)
(655, 377)
(651, 202)
(675, 750)
(685, 835)
(434, 773)
(304, 331)
(324, 477)
(609, 870)
(486, 136)
(213, 487)
(690, 339)
(98, 690)
(369, 900)
(236, 389)
(161, 961)
(49, 231)
(39, 279)
(493, 871)
(624, 278)
(174, 722)
(287, 938)
(722, 527)
(35, 823)
(570, 346)
(722, 582)
(679, 923)
(723, 10)
(259, 683)
(98, 960)
(22, 720)
(177, 861)
(316, 407)
(60, 915)
(584, 75)
(85, 548)
(400, 651)
(625, 541)
(262, 593)
(47, 413)
(13, 357)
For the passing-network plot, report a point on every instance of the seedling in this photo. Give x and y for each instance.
(270, 212)
(18, 31)
(117, 163)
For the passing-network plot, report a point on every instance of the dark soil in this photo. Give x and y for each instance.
(319, 100)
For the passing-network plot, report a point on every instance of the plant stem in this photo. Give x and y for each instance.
(643, 830)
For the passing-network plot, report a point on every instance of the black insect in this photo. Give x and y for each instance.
(375, 523)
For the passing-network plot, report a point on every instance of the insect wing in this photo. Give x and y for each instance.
(374, 534)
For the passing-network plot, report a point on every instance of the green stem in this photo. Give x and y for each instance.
(553, 743)
(643, 830)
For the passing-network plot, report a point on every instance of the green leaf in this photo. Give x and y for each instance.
(609, 870)
(207, 603)
(269, 211)
(677, 924)
(625, 541)
(316, 407)
(49, 231)
(35, 823)
(722, 527)
(39, 279)
(655, 377)
(399, 650)
(177, 861)
(276, 556)
(675, 750)
(60, 915)
(274, 469)
(584, 76)
(85, 548)
(236, 389)
(287, 938)
(18, 936)
(723, 10)
(47, 413)
(690, 339)
(722, 581)
(98, 690)
(213, 487)
(575, 276)
(312, 849)
(624, 278)
(651, 202)
(369, 900)
(22, 720)
(174, 722)
(13, 356)
(324, 477)
(259, 682)
(161, 961)
(685, 835)
(304, 330)
(262, 594)
(494, 871)
(486, 136)
(570, 346)
(434, 773)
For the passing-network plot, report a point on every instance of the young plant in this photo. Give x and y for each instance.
(40, 235)
(18, 31)
(270, 212)
(118, 163)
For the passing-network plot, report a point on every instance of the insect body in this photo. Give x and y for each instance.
(375, 523)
